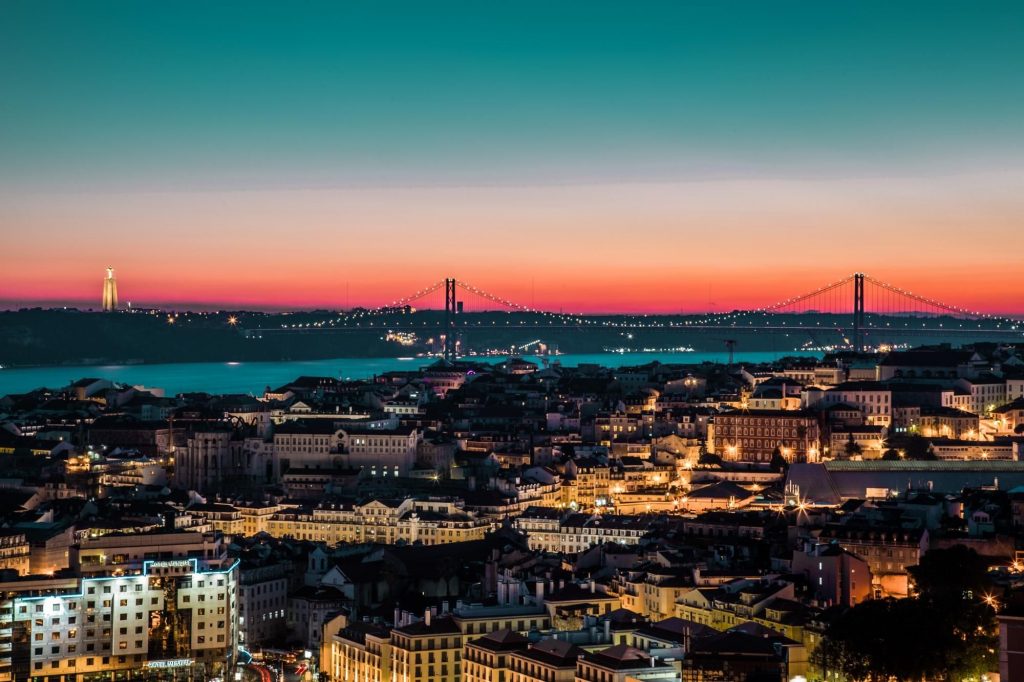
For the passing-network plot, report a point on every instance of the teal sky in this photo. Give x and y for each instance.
(306, 93)
(655, 156)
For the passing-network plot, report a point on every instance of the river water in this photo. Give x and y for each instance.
(254, 377)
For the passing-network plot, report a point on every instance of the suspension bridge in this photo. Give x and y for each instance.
(859, 308)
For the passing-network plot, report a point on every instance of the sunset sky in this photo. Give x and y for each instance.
(598, 156)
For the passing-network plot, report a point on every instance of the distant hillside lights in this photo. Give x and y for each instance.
(110, 292)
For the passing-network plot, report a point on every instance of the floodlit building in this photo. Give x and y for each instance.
(14, 551)
(430, 522)
(753, 435)
(175, 618)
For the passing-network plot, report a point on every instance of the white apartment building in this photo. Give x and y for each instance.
(382, 452)
(176, 616)
(872, 398)
(977, 396)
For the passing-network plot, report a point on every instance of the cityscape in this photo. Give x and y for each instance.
(669, 342)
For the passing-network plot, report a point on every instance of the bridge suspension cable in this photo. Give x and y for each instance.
(951, 309)
(493, 298)
(361, 313)
(833, 300)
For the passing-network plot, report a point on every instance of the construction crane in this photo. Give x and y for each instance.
(730, 344)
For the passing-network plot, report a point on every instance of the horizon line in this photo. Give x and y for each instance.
(7, 305)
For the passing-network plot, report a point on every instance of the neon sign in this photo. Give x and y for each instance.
(172, 563)
(170, 663)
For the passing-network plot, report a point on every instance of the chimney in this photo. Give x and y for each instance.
(444, 606)
(398, 617)
(593, 586)
(426, 616)
(540, 592)
(608, 630)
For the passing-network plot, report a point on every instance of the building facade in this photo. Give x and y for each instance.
(753, 435)
(177, 618)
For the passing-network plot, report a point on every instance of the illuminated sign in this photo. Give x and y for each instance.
(170, 663)
(175, 563)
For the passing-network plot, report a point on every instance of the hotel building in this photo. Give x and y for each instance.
(176, 620)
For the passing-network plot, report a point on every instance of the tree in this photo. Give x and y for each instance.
(953, 583)
(946, 632)
(891, 455)
(918, 447)
(950, 578)
(710, 458)
(778, 462)
(881, 639)
(852, 448)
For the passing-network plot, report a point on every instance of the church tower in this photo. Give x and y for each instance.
(109, 292)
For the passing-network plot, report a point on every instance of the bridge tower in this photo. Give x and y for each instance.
(450, 309)
(858, 311)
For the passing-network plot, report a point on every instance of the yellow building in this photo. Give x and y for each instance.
(770, 605)
(486, 659)
(427, 651)
(569, 605)
(356, 652)
(429, 522)
(660, 596)
(620, 663)
(651, 596)
(222, 517)
(256, 517)
(431, 648)
(549, 660)
(592, 481)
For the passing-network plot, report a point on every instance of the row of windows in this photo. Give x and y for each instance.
(726, 420)
(759, 431)
(88, 662)
(764, 443)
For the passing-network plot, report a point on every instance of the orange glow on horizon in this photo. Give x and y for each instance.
(644, 248)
